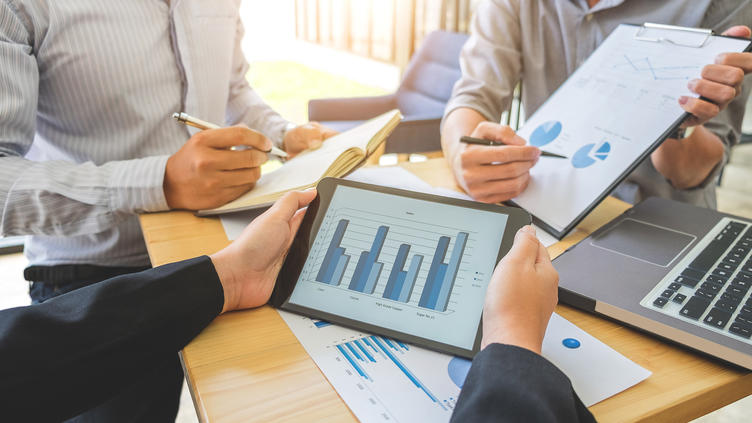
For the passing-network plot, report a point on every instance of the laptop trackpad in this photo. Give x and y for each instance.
(643, 241)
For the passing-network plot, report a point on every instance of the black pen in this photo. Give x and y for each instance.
(480, 141)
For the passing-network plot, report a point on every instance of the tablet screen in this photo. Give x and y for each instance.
(405, 264)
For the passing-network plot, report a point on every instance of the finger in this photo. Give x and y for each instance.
(497, 191)
(328, 132)
(325, 131)
(740, 31)
(713, 91)
(503, 154)
(742, 61)
(242, 159)
(233, 192)
(483, 173)
(239, 177)
(543, 258)
(701, 109)
(315, 142)
(224, 138)
(286, 206)
(295, 222)
(727, 75)
(525, 248)
(498, 133)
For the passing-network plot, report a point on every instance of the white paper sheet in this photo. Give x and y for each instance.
(383, 380)
(397, 177)
(393, 177)
(606, 115)
(235, 223)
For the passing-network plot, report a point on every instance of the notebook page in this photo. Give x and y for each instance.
(310, 166)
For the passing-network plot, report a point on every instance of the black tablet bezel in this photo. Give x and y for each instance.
(296, 258)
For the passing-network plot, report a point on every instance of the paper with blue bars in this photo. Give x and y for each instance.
(385, 380)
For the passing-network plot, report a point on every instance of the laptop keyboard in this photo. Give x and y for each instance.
(711, 285)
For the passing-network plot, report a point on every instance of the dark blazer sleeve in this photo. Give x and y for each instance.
(512, 384)
(70, 353)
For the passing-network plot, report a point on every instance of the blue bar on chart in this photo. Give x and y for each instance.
(397, 362)
(368, 270)
(364, 352)
(441, 276)
(321, 323)
(335, 260)
(400, 284)
(352, 361)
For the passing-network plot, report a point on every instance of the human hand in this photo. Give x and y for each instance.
(495, 174)
(304, 137)
(521, 296)
(205, 173)
(719, 84)
(249, 266)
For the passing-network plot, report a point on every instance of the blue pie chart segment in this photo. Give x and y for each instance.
(545, 133)
(586, 157)
(602, 152)
(458, 368)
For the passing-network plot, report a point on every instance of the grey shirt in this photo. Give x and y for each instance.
(542, 42)
(87, 88)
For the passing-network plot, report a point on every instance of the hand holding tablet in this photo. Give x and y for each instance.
(407, 265)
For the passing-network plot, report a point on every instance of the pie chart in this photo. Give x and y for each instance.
(545, 133)
(458, 369)
(590, 154)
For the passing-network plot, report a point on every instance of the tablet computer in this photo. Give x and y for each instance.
(407, 265)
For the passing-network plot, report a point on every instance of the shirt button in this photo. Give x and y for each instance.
(589, 17)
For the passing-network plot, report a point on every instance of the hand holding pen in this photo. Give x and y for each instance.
(480, 141)
(204, 125)
(214, 167)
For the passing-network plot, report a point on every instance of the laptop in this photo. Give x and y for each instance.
(675, 270)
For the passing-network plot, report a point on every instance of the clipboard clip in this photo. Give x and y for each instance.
(646, 27)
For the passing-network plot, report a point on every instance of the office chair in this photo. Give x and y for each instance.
(421, 97)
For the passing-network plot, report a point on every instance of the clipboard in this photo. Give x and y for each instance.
(538, 200)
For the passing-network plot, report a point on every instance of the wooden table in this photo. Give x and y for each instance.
(248, 366)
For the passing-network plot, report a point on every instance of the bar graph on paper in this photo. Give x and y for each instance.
(382, 379)
(393, 258)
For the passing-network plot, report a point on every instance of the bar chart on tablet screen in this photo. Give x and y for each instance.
(413, 266)
(393, 258)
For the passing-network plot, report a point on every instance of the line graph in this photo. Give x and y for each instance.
(655, 71)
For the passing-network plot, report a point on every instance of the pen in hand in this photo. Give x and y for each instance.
(203, 125)
(480, 141)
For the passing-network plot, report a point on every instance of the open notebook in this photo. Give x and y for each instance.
(337, 156)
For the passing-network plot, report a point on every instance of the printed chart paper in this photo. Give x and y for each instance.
(607, 115)
(384, 380)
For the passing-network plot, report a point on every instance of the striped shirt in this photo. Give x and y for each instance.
(87, 88)
(542, 42)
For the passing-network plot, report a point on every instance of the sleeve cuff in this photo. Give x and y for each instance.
(137, 185)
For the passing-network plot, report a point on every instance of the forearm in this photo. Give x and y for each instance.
(512, 384)
(67, 199)
(97, 339)
(458, 123)
(688, 162)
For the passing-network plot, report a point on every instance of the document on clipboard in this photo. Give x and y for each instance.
(611, 113)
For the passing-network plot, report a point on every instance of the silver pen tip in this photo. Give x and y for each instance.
(177, 116)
